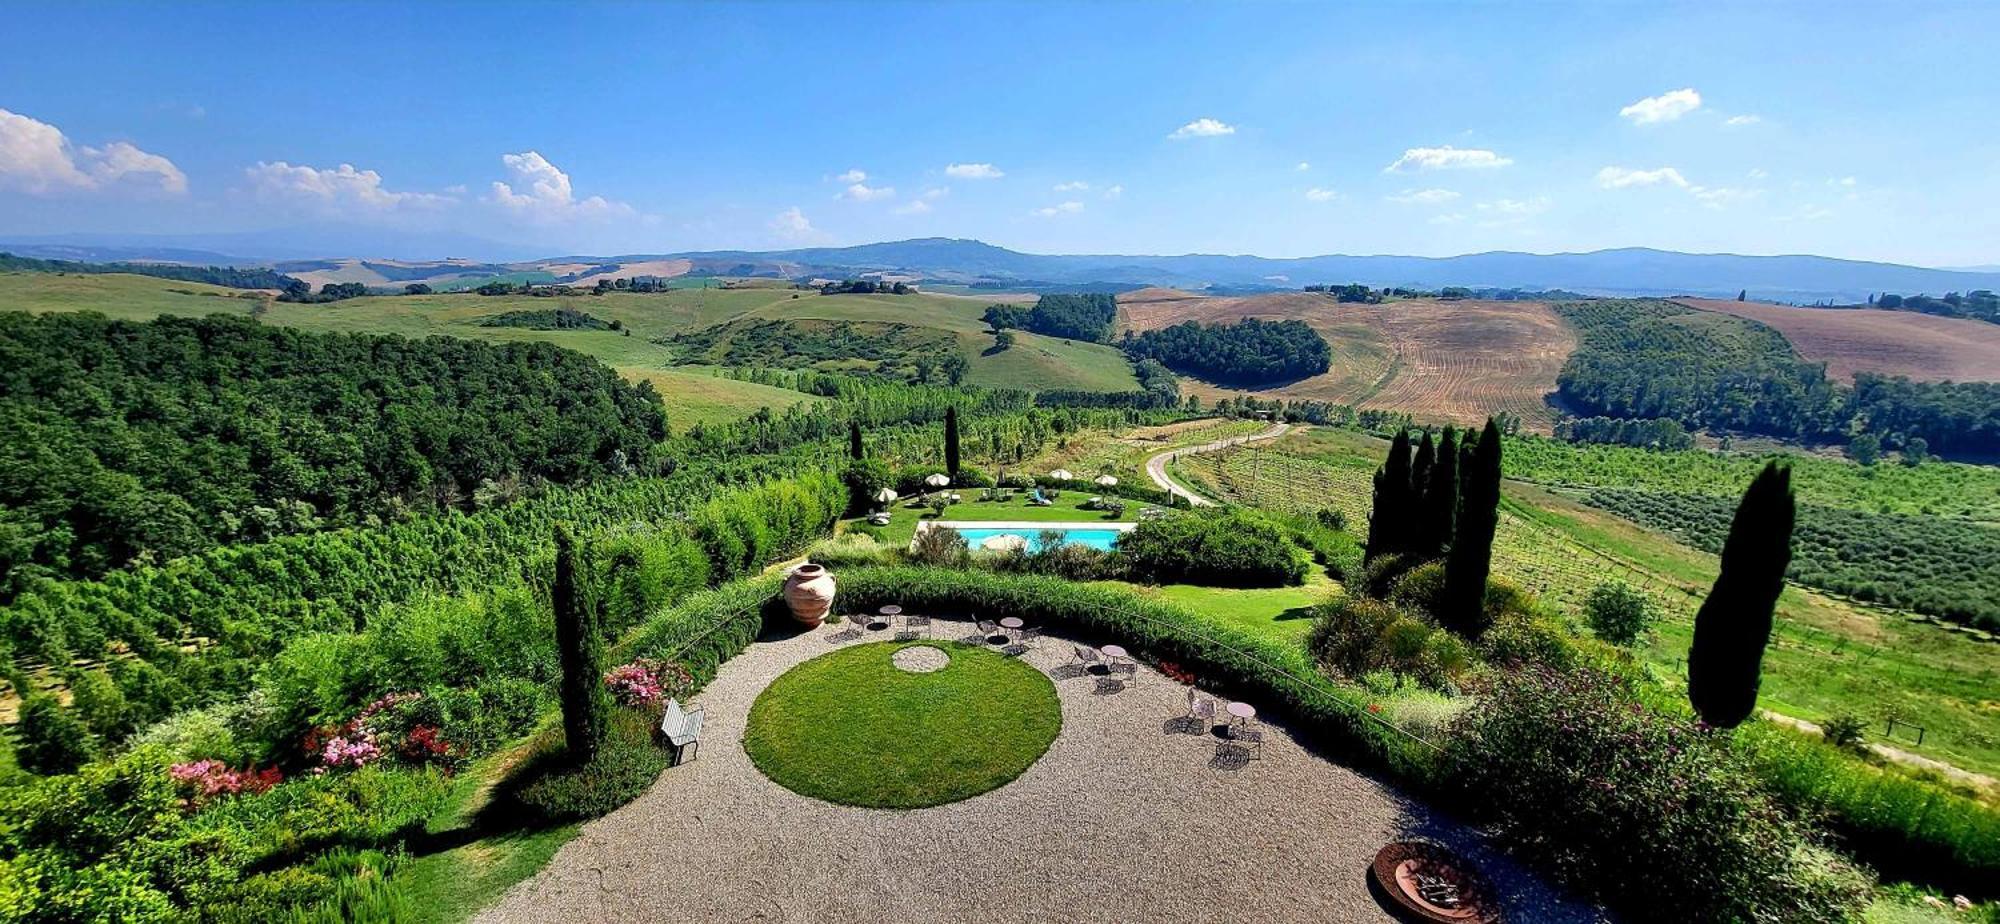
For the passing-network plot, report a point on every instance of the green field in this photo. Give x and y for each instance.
(1035, 362)
(1829, 656)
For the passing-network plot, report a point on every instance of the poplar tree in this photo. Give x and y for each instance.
(854, 449)
(1726, 661)
(1388, 521)
(1471, 559)
(1439, 515)
(579, 646)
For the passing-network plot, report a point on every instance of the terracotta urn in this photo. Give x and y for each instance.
(809, 593)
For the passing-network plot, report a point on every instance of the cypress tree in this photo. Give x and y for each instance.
(1471, 557)
(1388, 521)
(951, 441)
(1420, 480)
(585, 706)
(1439, 515)
(854, 449)
(1734, 624)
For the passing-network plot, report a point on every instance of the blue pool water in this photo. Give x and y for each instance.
(1095, 538)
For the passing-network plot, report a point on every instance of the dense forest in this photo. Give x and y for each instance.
(1645, 359)
(1250, 353)
(1079, 316)
(1930, 564)
(229, 276)
(124, 441)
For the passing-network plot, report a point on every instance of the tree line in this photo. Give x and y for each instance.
(1441, 500)
(1648, 359)
(228, 276)
(1977, 305)
(1072, 316)
(1250, 353)
(145, 441)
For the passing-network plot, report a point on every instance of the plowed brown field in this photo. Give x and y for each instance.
(1439, 360)
(1924, 347)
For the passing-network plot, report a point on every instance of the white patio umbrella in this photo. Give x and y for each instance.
(1061, 474)
(886, 495)
(1005, 542)
(937, 481)
(1106, 480)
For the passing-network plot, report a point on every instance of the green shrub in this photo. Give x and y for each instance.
(1419, 589)
(1846, 732)
(850, 550)
(375, 806)
(1660, 818)
(940, 545)
(864, 479)
(49, 739)
(548, 789)
(1224, 548)
(1356, 636)
(1618, 613)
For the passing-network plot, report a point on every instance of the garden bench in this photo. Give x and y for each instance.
(682, 728)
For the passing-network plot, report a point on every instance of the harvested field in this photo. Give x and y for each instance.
(1926, 348)
(1455, 361)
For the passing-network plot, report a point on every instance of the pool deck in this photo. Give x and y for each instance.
(1026, 525)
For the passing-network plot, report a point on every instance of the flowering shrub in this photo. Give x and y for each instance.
(346, 753)
(385, 727)
(206, 780)
(648, 682)
(1652, 812)
(1176, 673)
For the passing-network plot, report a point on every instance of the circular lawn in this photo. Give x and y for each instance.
(853, 728)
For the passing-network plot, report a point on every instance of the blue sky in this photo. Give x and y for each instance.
(1846, 129)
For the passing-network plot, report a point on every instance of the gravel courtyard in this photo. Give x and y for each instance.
(1125, 818)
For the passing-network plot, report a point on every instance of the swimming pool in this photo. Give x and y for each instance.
(1096, 536)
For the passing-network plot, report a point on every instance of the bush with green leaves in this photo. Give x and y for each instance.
(547, 788)
(1216, 548)
(49, 739)
(1357, 636)
(939, 545)
(1618, 612)
(1660, 818)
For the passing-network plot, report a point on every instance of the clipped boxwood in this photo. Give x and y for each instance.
(1218, 548)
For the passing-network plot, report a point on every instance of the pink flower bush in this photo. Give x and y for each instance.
(358, 752)
(647, 682)
(206, 780)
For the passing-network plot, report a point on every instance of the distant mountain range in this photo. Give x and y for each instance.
(1624, 271)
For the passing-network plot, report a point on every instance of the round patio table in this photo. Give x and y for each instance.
(1114, 653)
(888, 614)
(1012, 623)
(1239, 713)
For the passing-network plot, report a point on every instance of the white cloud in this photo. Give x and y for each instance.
(862, 192)
(1303, 167)
(36, 158)
(1113, 191)
(1425, 196)
(1718, 196)
(1202, 128)
(1071, 186)
(1447, 158)
(1066, 208)
(1746, 119)
(937, 192)
(973, 172)
(1316, 194)
(1807, 213)
(1665, 107)
(548, 196)
(339, 188)
(1757, 173)
(916, 207)
(1623, 177)
(855, 175)
(1846, 181)
(792, 225)
(1449, 218)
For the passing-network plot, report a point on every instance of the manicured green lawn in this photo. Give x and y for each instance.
(852, 728)
(1274, 612)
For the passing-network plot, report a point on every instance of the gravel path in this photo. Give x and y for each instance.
(1123, 819)
(1156, 466)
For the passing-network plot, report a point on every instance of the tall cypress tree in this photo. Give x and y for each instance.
(579, 646)
(1438, 519)
(854, 448)
(951, 441)
(1388, 521)
(1420, 480)
(1471, 557)
(1726, 661)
